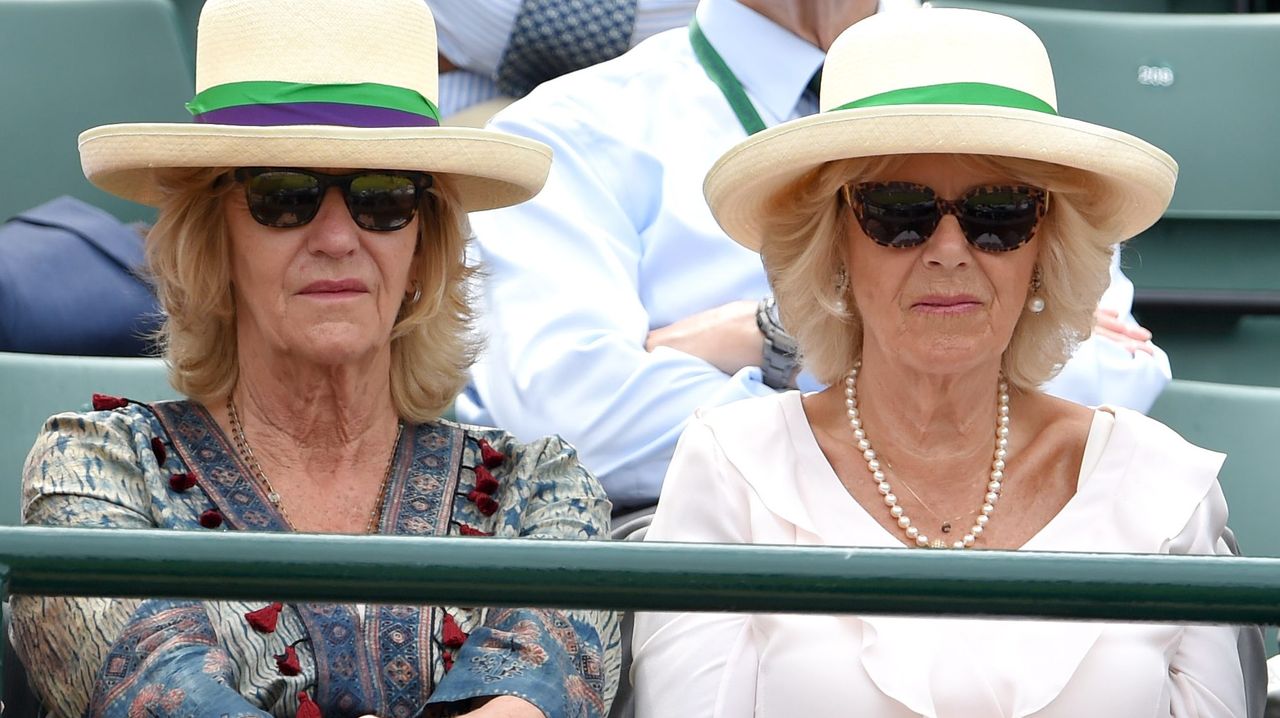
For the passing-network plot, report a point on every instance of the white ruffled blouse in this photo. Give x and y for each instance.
(752, 472)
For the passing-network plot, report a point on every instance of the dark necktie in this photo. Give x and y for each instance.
(808, 104)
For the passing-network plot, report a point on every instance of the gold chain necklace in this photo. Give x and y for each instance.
(945, 525)
(246, 453)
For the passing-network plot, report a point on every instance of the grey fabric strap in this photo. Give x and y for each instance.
(553, 37)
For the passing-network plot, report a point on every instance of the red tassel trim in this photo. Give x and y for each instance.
(264, 619)
(211, 519)
(307, 708)
(472, 531)
(451, 635)
(485, 483)
(484, 502)
(182, 482)
(448, 660)
(106, 402)
(288, 663)
(157, 448)
(489, 456)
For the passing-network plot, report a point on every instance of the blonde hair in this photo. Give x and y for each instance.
(188, 257)
(807, 234)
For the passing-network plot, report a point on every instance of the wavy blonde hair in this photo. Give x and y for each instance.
(188, 258)
(807, 234)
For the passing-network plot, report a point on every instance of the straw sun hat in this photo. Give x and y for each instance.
(317, 83)
(937, 80)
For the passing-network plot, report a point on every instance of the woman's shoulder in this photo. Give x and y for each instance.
(1130, 430)
(533, 487)
(764, 444)
(484, 441)
(110, 421)
(1139, 433)
(109, 453)
(755, 417)
(1145, 463)
(548, 463)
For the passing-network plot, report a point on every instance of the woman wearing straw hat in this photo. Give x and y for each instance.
(309, 255)
(937, 239)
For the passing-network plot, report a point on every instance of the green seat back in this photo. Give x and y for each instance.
(189, 20)
(1240, 421)
(1203, 347)
(73, 64)
(37, 386)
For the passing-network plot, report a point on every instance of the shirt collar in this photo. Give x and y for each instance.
(773, 65)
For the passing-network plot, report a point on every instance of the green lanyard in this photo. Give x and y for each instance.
(729, 84)
(724, 78)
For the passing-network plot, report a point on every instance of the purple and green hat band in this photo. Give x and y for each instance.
(954, 93)
(266, 104)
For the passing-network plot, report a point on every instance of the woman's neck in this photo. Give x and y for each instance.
(922, 418)
(326, 413)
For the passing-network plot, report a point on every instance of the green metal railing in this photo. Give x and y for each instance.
(636, 576)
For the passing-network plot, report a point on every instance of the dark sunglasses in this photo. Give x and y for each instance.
(379, 200)
(904, 214)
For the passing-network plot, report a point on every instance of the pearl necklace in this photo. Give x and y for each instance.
(994, 485)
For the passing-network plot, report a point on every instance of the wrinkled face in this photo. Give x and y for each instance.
(943, 306)
(327, 292)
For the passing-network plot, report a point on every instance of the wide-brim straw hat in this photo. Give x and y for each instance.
(317, 83)
(937, 80)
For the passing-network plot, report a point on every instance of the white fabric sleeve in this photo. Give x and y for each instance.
(565, 324)
(1206, 678)
(696, 665)
(1103, 372)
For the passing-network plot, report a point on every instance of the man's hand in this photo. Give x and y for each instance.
(726, 336)
(1130, 336)
(505, 707)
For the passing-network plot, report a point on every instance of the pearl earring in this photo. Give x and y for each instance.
(842, 289)
(1035, 303)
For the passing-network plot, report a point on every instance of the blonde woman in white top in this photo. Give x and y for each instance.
(937, 239)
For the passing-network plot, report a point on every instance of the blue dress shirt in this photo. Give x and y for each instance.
(620, 242)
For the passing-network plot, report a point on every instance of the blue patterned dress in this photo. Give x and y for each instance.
(169, 465)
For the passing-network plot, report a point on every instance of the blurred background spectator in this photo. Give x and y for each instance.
(492, 51)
